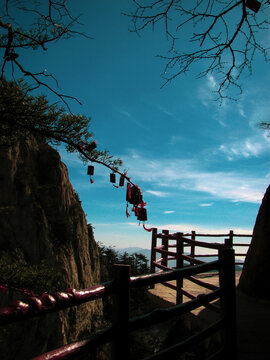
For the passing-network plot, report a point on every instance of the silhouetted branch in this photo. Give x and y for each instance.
(52, 22)
(225, 42)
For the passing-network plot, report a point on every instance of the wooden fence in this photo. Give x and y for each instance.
(168, 248)
(118, 332)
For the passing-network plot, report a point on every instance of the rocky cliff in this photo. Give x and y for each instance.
(41, 215)
(254, 280)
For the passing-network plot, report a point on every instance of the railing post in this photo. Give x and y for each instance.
(165, 243)
(228, 301)
(192, 247)
(120, 315)
(179, 265)
(153, 253)
(230, 240)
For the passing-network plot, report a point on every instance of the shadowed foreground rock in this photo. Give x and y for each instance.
(41, 215)
(254, 280)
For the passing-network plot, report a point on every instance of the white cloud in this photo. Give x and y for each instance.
(178, 174)
(157, 193)
(211, 81)
(250, 147)
(168, 212)
(206, 205)
(187, 228)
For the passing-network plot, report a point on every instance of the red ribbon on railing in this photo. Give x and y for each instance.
(149, 230)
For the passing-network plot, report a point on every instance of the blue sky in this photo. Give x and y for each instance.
(201, 166)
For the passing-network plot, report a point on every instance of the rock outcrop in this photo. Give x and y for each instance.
(254, 280)
(41, 215)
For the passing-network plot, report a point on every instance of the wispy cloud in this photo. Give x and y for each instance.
(175, 139)
(205, 91)
(127, 114)
(179, 174)
(207, 204)
(164, 110)
(250, 147)
(211, 81)
(168, 212)
(157, 193)
(203, 229)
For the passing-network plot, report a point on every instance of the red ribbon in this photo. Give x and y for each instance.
(149, 230)
(127, 213)
(91, 180)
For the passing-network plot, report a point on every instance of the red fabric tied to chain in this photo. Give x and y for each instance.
(112, 178)
(141, 214)
(128, 196)
(127, 213)
(134, 195)
(149, 230)
(121, 181)
(91, 146)
(90, 170)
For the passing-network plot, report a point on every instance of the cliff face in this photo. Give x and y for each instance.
(41, 215)
(254, 280)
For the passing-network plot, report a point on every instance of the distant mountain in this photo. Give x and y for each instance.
(172, 263)
(132, 250)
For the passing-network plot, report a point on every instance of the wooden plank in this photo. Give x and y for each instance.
(179, 265)
(161, 266)
(192, 260)
(120, 313)
(228, 301)
(204, 244)
(153, 253)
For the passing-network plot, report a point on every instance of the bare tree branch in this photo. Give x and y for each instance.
(226, 40)
(52, 22)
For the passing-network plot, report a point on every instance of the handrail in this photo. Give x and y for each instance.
(47, 303)
(122, 325)
(182, 255)
(156, 278)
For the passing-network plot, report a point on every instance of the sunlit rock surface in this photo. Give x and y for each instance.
(41, 214)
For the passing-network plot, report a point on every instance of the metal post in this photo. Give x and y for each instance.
(120, 316)
(179, 265)
(228, 301)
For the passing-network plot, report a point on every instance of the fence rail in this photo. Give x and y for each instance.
(122, 325)
(192, 241)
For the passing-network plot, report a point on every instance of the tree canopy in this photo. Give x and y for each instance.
(35, 25)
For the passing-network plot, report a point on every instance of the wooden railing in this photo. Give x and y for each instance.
(122, 325)
(185, 250)
(169, 245)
